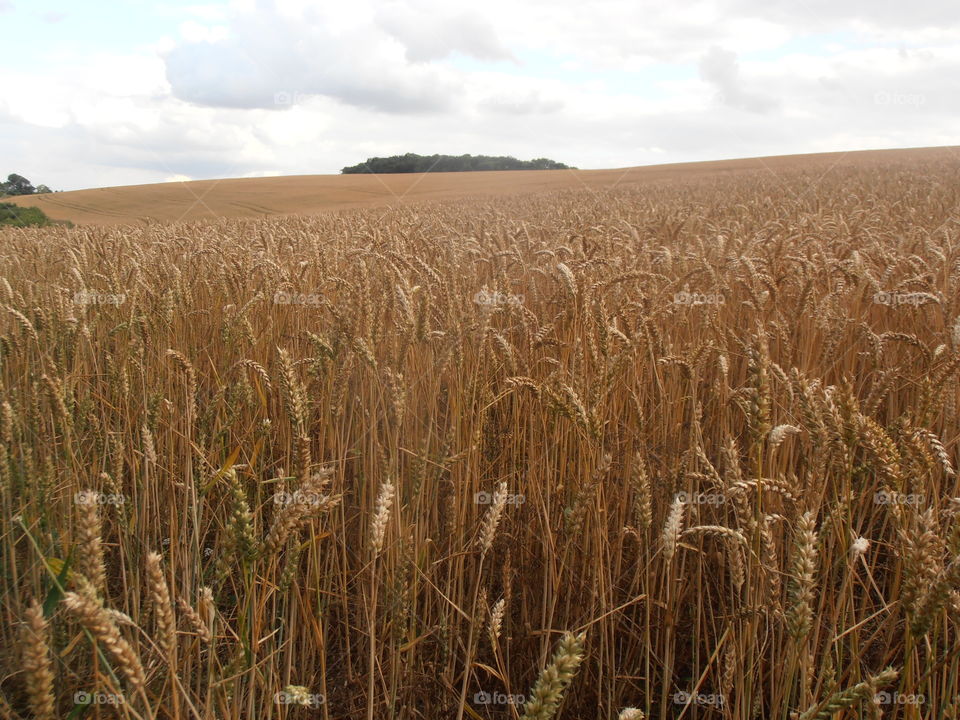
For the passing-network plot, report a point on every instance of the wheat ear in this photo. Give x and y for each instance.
(89, 545)
(163, 608)
(102, 626)
(845, 698)
(547, 693)
(36, 663)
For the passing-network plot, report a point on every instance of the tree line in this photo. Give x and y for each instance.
(19, 185)
(413, 163)
(15, 216)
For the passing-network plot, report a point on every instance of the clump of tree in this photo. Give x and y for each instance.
(15, 216)
(413, 163)
(19, 185)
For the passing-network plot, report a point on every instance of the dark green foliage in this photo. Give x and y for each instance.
(16, 216)
(16, 185)
(413, 163)
(19, 185)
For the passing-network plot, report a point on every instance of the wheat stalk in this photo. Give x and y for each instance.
(673, 528)
(37, 668)
(90, 561)
(547, 693)
(381, 516)
(802, 579)
(491, 520)
(102, 626)
(163, 608)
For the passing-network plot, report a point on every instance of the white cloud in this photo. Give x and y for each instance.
(273, 54)
(619, 83)
(432, 33)
(819, 14)
(530, 103)
(720, 68)
(194, 32)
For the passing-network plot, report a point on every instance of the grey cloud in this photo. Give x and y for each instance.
(429, 35)
(529, 104)
(615, 30)
(691, 137)
(892, 14)
(169, 149)
(271, 62)
(874, 99)
(720, 68)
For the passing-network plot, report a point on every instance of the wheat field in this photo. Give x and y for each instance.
(257, 197)
(681, 449)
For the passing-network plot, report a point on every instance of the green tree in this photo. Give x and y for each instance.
(16, 216)
(17, 185)
(413, 163)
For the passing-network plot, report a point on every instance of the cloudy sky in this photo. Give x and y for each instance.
(116, 92)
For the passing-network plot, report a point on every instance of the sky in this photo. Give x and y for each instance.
(121, 92)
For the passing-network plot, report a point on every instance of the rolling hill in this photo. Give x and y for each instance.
(310, 194)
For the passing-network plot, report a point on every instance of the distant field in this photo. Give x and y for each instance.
(310, 194)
